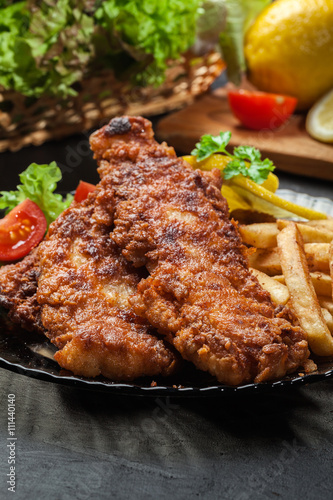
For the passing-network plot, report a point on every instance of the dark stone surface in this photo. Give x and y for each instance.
(72, 443)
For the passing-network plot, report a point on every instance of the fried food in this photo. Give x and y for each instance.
(326, 303)
(317, 256)
(322, 224)
(263, 235)
(83, 290)
(330, 254)
(277, 290)
(200, 293)
(260, 234)
(267, 260)
(322, 283)
(18, 287)
(303, 296)
(310, 234)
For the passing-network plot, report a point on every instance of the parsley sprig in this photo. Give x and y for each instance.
(255, 168)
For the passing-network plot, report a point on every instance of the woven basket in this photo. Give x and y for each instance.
(25, 121)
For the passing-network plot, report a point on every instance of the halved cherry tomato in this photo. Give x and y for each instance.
(261, 110)
(21, 230)
(82, 191)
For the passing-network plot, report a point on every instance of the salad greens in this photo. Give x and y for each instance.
(151, 31)
(38, 183)
(48, 46)
(45, 49)
(245, 160)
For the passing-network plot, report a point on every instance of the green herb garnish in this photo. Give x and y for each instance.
(245, 160)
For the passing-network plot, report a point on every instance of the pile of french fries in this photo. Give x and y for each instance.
(293, 261)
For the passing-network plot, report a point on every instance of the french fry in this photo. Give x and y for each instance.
(280, 278)
(330, 255)
(326, 303)
(322, 283)
(317, 255)
(310, 234)
(322, 224)
(266, 261)
(302, 293)
(328, 318)
(259, 235)
(279, 293)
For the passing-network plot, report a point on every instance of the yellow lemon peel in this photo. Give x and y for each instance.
(319, 122)
(289, 49)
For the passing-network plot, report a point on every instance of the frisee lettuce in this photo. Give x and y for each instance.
(44, 50)
(48, 47)
(38, 183)
(150, 31)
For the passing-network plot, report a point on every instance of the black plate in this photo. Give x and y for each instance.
(21, 352)
(29, 354)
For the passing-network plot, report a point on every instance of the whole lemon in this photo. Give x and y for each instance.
(289, 49)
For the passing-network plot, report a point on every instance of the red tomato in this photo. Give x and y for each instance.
(21, 230)
(261, 110)
(82, 191)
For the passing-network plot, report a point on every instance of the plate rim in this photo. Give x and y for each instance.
(125, 389)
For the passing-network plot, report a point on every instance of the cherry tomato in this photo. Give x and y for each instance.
(21, 230)
(82, 191)
(261, 110)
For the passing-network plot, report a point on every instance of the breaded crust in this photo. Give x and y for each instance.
(84, 289)
(200, 294)
(18, 287)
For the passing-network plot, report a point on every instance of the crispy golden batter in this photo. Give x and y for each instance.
(200, 293)
(18, 286)
(83, 289)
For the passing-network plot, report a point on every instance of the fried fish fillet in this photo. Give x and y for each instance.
(83, 290)
(18, 299)
(200, 293)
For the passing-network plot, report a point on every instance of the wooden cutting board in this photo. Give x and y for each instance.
(290, 147)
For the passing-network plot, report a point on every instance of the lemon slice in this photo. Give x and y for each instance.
(319, 122)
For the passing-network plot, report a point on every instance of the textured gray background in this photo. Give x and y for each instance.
(72, 443)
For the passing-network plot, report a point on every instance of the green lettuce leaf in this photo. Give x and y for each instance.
(48, 47)
(45, 50)
(38, 183)
(150, 31)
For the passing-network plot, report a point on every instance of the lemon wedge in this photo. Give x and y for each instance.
(319, 122)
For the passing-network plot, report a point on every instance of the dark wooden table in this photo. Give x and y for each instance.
(78, 444)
